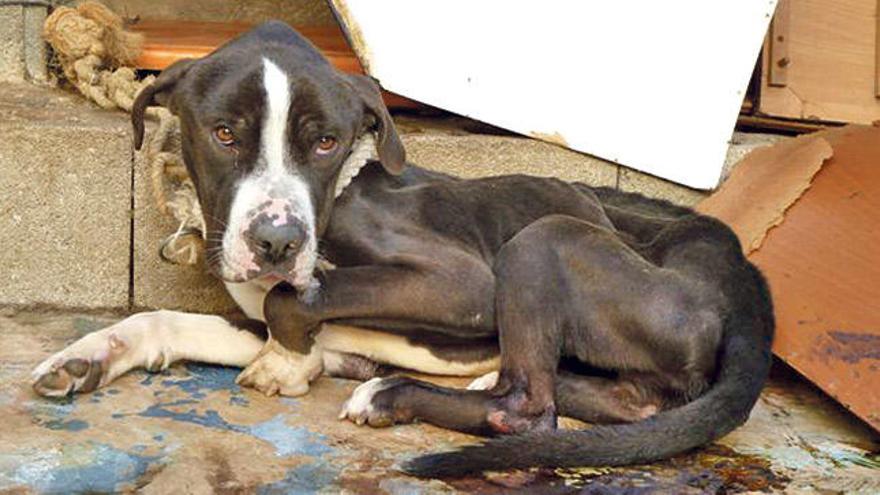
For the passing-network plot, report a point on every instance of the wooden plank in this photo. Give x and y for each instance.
(779, 32)
(776, 124)
(166, 42)
(877, 51)
(832, 71)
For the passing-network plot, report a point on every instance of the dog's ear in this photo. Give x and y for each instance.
(388, 145)
(157, 93)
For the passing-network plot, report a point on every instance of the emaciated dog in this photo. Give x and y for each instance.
(591, 303)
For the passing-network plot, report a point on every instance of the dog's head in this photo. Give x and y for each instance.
(267, 125)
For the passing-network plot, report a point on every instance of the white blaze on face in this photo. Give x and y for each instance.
(272, 187)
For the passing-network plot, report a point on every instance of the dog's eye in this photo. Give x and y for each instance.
(224, 135)
(326, 145)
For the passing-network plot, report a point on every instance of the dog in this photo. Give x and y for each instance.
(564, 299)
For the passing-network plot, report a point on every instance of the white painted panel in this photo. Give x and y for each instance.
(654, 85)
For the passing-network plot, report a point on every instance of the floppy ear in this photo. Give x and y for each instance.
(388, 145)
(156, 94)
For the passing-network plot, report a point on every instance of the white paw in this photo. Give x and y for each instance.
(276, 370)
(89, 363)
(359, 408)
(484, 382)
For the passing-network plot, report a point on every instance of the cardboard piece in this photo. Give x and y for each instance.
(772, 179)
(590, 76)
(822, 260)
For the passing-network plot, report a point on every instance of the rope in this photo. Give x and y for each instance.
(96, 55)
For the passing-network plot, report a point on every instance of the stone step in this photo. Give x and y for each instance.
(65, 197)
(79, 227)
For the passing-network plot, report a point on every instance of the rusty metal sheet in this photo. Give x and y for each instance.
(823, 265)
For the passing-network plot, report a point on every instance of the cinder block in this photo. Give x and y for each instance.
(22, 50)
(34, 45)
(634, 181)
(65, 196)
(743, 143)
(158, 284)
(480, 155)
(11, 44)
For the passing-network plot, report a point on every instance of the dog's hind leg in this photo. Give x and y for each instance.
(595, 399)
(151, 340)
(530, 310)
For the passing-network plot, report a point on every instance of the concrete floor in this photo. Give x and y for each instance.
(192, 430)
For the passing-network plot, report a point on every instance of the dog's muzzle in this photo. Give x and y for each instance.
(276, 243)
(269, 234)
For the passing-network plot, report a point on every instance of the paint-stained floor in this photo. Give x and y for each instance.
(190, 429)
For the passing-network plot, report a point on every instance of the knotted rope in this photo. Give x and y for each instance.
(96, 55)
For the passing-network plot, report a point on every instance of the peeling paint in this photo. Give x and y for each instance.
(289, 440)
(53, 414)
(304, 479)
(852, 347)
(232, 440)
(285, 439)
(81, 468)
(70, 425)
(209, 419)
(204, 378)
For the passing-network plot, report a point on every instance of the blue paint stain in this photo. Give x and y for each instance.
(71, 425)
(148, 379)
(83, 326)
(288, 440)
(210, 418)
(53, 414)
(304, 479)
(101, 468)
(159, 437)
(204, 377)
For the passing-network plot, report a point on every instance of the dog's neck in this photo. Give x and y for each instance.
(362, 152)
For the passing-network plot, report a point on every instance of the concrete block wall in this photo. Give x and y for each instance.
(22, 51)
(77, 222)
(65, 197)
(156, 283)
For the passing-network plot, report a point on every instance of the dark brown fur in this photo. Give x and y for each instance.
(657, 300)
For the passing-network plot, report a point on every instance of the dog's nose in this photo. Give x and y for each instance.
(277, 243)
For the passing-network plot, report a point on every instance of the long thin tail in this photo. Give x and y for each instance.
(744, 365)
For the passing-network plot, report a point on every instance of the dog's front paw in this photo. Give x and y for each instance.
(87, 364)
(277, 370)
(372, 403)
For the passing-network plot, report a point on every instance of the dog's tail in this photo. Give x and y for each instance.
(744, 364)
